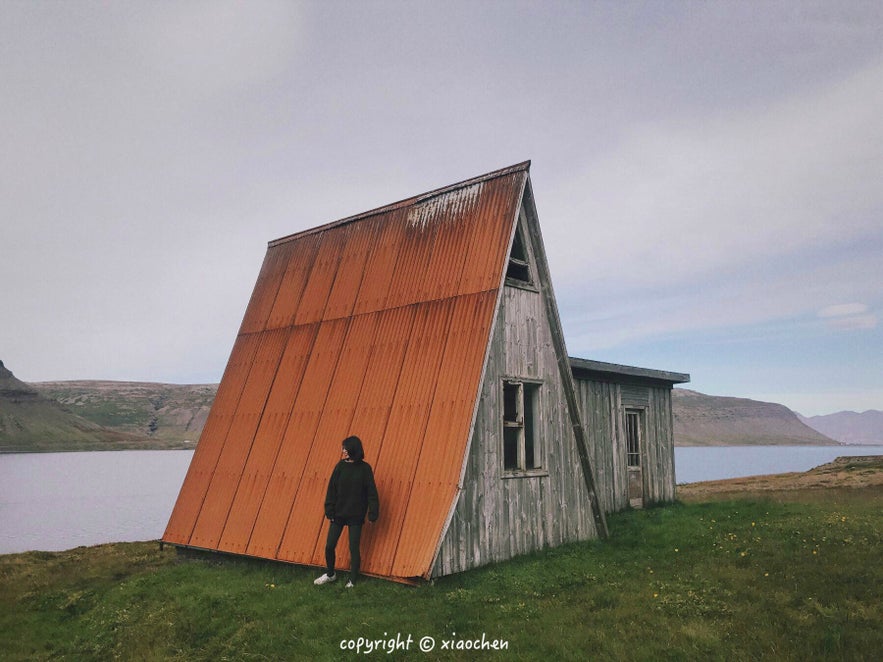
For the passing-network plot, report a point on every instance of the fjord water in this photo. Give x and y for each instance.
(56, 501)
(697, 463)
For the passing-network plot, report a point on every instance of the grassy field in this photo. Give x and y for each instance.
(777, 576)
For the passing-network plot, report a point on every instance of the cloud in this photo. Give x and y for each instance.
(741, 218)
(848, 316)
(678, 199)
(843, 309)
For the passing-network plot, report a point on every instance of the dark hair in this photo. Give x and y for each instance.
(353, 446)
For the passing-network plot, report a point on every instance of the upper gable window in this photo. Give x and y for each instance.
(518, 271)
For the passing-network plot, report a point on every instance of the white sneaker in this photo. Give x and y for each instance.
(349, 584)
(325, 579)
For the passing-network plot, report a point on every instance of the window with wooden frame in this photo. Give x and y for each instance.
(521, 451)
(633, 436)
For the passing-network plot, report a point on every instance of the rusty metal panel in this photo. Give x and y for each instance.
(381, 264)
(299, 255)
(297, 442)
(399, 451)
(239, 439)
(302, 529)
(394, 331)
(256, 475)
(449, 254)
(371, 417)
(322, 275)
(211, 441)
(411, 280)
(264, 293)
(351, 269)
(443, 449)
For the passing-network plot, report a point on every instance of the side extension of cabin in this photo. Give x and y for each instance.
(627, 413)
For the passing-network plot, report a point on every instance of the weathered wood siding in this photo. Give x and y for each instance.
(499, 517)
(603, 405)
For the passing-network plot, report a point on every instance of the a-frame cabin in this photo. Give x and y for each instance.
(429, 329)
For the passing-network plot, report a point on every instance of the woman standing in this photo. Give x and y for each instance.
(351, 495)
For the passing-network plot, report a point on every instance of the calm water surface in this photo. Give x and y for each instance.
(56, 501)
(693, 463)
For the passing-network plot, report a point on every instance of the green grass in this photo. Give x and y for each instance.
(733, 580)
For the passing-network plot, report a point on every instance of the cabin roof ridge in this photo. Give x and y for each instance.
(524, 166)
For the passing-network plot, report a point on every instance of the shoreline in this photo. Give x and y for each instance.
(847, 472)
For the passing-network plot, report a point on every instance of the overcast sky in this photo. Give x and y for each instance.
(708, 175)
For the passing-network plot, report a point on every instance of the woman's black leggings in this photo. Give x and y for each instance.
(355, 535)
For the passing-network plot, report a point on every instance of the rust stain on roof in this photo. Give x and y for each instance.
(376, 325)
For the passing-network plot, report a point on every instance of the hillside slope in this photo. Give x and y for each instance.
(160, 412)
(150, 415)
(706, 420)
(850, 427)
(30, 422)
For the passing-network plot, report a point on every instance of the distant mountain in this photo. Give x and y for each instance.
(32, 422)
(850, 427)
(707, 420)
(85, 415)
(162, 413)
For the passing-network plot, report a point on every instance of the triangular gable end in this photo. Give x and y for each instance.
(520, 494)
(563, 360)
(376, 325)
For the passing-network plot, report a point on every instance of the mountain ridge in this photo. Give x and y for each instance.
(104, 414)
(160, 412)
(710, 420)
(849, 427)
(31, 421)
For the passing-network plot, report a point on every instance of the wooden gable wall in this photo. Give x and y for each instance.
(498, 516)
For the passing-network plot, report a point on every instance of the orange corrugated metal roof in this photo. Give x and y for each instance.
(377, 325)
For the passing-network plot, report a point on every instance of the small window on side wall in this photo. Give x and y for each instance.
(520, 447)
(633, 437)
